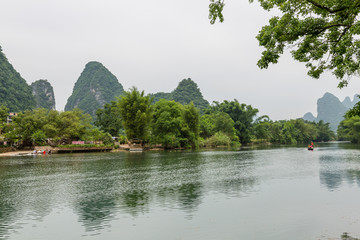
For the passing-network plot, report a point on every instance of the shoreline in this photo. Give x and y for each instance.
(15, 153)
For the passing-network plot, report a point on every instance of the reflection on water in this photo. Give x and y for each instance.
(339, 166)
(108, 191)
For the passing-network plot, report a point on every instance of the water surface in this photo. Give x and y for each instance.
(276, 193)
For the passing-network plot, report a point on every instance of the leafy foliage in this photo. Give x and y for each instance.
(187, 91)
(43, 93)
(108, 119)
(190, 131)
(349, 129)
(174, 125)
(135, 112)
(292, 131)
(167, 121)
(36, 126)
(322, 34)
(95, 87)
(15, 93)
(216, 122)
(218, 139)
(243, 116)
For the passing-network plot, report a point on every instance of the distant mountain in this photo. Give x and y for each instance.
(350, 104)
(95, 87)
(186, 91)
(347, 102)
(330, 109)
(15, 93)
(43, 93)
(309, 117)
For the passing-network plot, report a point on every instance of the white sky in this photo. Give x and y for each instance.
(154, 44)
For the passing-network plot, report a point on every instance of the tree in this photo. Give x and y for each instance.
(322, 34)
(26, 124)
(167, 121)
(191, 127)
(324, 132)
(242, 115)
(4, 113)
(349, 129)
(135, 111)
(108, 119)
(217, 122)
(34, 127)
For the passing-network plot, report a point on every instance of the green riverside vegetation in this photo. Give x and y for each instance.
(167, 124)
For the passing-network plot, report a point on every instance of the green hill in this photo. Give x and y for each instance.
(186, 91)
(95, 87)
(15, 93)
(43, 93)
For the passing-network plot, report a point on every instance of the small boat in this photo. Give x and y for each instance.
(310, 148)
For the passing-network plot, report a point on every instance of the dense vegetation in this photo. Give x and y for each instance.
(134, 108)
(187, 91)
(229, 123)
(15, 93)
(43, 94)
(36, 127)
(292, 131)
(95, 87)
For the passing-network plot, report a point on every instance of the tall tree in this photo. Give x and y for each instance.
(349, 129)
(243, 116)
(167, 122)
(108, 119)
(192, 124)
(135, 111)
(323, 34)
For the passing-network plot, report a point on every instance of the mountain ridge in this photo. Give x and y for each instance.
(95, 87)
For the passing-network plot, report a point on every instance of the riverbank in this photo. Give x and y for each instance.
(15, 153)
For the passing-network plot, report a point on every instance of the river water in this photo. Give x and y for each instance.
(275, 193)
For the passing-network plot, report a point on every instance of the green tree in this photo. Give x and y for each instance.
(38, 137)
(108, 119)
(349, 129)
(33, 127)
(167, 122)
(135, 111)
(261, 129)
(28, 123)
(324, 132)
(190, 129)
(243, 116)
(217, 122)
(4, 113)
(323, 34)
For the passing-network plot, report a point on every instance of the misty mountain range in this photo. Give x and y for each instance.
(330, 109)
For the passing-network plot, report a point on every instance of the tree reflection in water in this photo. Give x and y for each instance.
(338, 168)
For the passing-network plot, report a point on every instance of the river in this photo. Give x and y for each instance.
(273, 193)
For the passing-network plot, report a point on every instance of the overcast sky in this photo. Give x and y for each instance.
(154, 44)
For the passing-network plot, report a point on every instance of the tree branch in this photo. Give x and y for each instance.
(316, 4)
